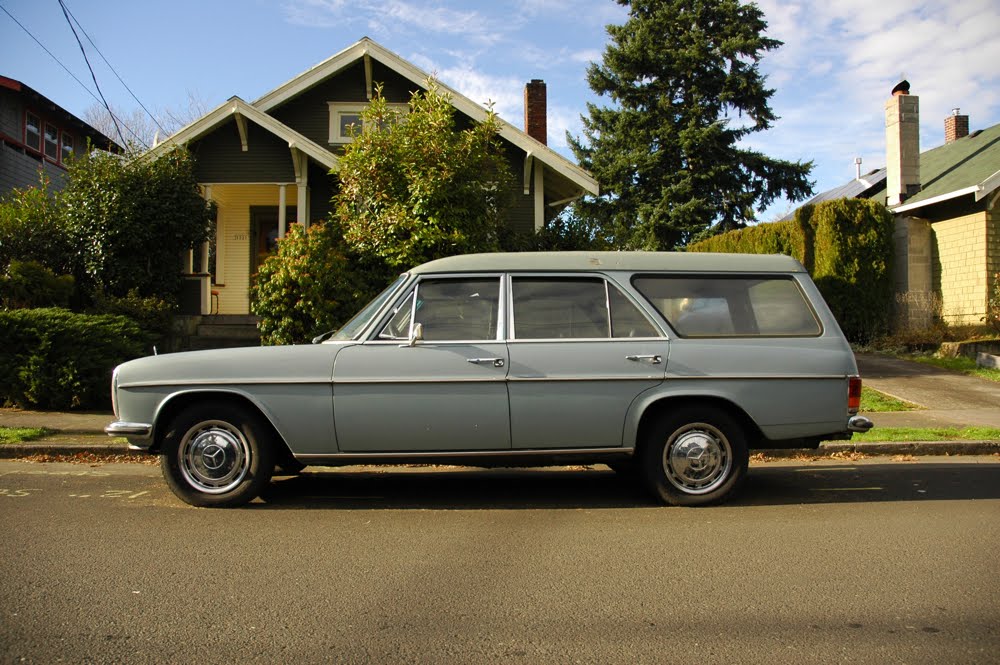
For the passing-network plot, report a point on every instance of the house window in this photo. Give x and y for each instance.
(51, 142)
(68, 146)
(32, 132)
(345, 119)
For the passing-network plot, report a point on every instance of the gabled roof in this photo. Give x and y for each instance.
(366, 48)
(236, 107)
(969, 165)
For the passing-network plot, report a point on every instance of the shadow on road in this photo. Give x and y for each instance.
(597, 488)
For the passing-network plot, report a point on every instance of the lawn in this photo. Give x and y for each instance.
(22, 434)
(872, 401)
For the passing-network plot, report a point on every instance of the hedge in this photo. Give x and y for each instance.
(54, 359)
(847, 247)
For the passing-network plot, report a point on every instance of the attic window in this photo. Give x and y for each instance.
(345, 116)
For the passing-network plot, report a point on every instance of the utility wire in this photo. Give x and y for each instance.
(87, 60)
(151, 116)
(72, 75)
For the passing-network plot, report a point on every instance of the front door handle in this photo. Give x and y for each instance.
(496, 362)
(651, 359)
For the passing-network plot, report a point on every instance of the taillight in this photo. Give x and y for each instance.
(853, 394)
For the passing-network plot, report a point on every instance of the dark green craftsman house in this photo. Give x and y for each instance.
(266, 164)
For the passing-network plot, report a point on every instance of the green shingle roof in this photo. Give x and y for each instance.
(958, 165)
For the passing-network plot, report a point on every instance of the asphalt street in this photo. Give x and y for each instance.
(869, 561)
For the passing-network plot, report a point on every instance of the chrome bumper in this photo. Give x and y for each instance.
(859, 424)
(139, 435)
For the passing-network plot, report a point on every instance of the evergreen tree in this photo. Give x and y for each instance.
(684, 82)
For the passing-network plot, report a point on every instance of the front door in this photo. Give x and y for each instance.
(447, 392)
(264, 233)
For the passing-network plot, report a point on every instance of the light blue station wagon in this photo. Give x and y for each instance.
(668, 366)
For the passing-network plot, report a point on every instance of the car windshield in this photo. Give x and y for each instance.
(353, 328)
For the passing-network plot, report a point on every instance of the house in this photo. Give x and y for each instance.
(39, 135)
(266, 164)
(945, 204)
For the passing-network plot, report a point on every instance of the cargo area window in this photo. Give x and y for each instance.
(739, 306)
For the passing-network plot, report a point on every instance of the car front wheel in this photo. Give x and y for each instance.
(217, 455)
(694, 457)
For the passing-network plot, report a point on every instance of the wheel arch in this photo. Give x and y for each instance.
(656, 407)
(175, 403)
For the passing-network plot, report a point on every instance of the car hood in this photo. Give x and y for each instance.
(261, 364)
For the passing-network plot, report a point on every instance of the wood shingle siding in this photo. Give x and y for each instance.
(220, 156)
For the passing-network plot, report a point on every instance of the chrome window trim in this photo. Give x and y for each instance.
(608, 282)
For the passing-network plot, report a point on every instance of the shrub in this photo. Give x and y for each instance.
(55, 359)
(847, 247)
(153, 315)
(29, 284)
(33, 229)
(311, 284)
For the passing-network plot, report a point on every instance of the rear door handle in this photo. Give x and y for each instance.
(496, 362)
(653, 359)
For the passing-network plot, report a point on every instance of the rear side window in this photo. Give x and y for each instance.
(738, 306)
(574, 308)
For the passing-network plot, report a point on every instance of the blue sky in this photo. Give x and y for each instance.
(839, 62)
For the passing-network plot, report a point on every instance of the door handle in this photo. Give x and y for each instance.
(496, 362)
(653, 359)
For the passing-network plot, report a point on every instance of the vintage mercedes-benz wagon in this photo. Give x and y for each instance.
(669, 366)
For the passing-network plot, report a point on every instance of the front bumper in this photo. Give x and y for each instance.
(139, 435)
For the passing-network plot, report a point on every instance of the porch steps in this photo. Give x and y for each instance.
(220, 331)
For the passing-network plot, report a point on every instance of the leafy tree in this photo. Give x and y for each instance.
(416, 186)
(131, 219)
(684, 81)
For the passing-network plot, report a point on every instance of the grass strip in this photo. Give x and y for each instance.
(873, 401)
(961, 364)
(22, 434)
(886, 434)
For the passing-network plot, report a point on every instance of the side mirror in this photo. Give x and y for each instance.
(416, 334)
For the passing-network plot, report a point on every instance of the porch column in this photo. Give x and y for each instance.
(300, 161)
(282, 216)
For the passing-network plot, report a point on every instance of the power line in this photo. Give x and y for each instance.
(125, 85)
(87, 60)
(67, 70)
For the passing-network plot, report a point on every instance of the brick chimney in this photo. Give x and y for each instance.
(955, 126)
(902, 144)
(535, 111)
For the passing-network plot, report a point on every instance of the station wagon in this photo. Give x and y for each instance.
(670, 367)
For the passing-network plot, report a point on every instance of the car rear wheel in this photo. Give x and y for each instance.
(217, 455)
(694, 457)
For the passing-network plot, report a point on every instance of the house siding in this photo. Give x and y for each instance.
(961, 266)
(11, 114)
(220, 156)
(19, 170)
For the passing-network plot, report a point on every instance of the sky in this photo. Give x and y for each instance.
(838, 64)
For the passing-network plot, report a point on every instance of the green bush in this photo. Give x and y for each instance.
(28, 284)
(55, 359)
(153, 315)
(32, 228)
(312, 284)
(847, 247)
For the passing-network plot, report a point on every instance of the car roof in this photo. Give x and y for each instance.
(602, 261)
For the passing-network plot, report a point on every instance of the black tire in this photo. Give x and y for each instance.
(694, 457)
(217, 455)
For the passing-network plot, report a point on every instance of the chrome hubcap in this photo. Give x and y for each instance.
(697, 459)
(214, 457)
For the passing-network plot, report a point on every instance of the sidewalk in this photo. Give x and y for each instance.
(956, 400)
